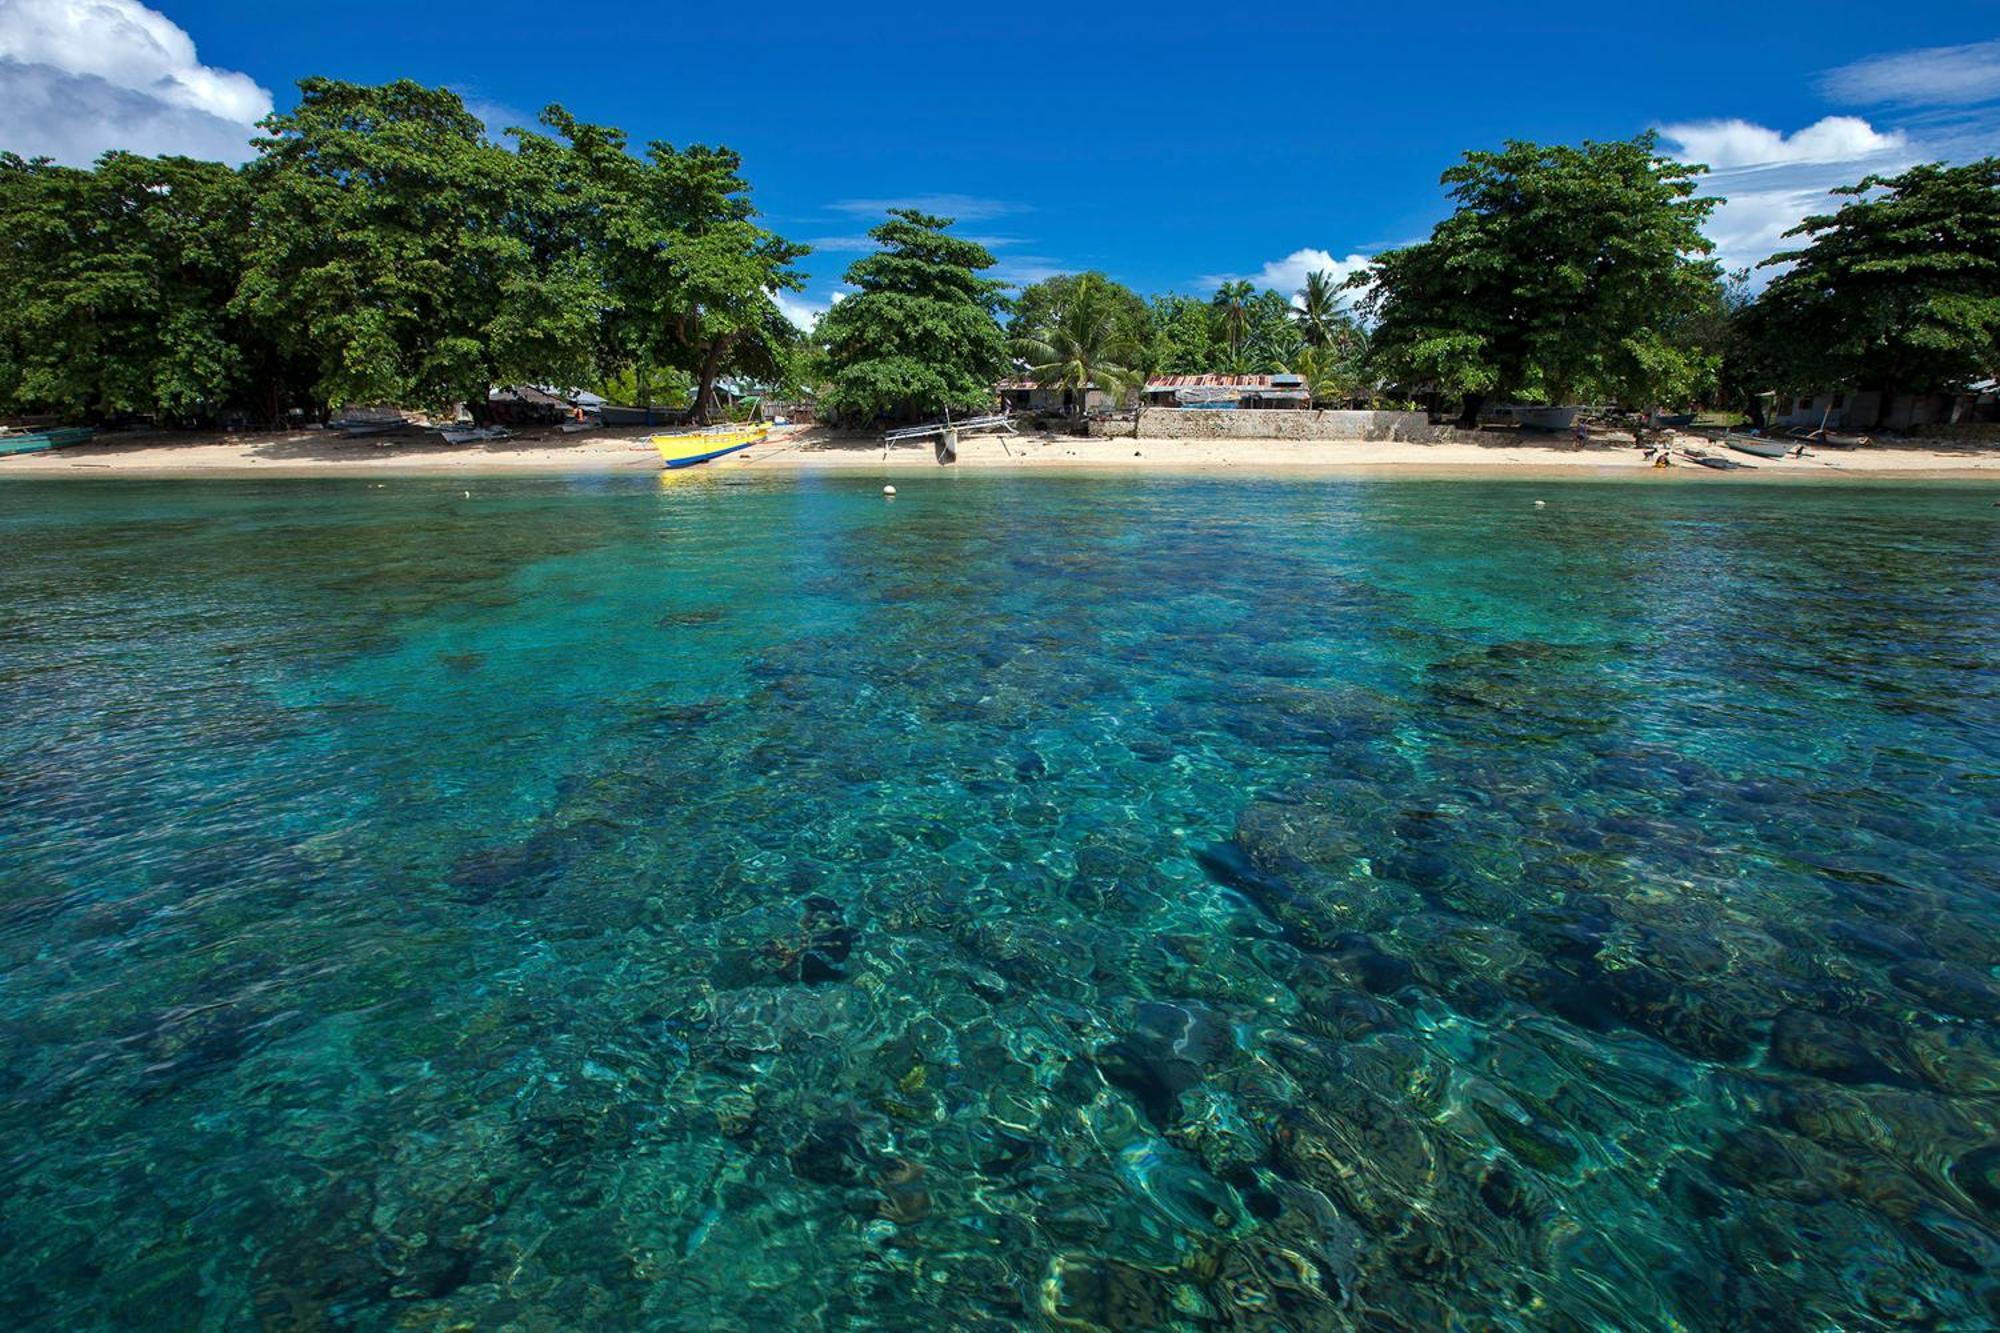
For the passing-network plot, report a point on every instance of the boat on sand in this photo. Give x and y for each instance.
(688, 447)
(1760, 447)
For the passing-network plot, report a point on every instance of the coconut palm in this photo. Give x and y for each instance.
(1318, 311)
(1232, 309)
(1083, 343)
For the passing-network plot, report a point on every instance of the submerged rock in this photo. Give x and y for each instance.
(1826, 1048)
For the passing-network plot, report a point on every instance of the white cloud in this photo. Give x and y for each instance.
(1738, 143)
(803, 311)
(842, 244)
(1768, 181)
(1288, 275)
(962, 207)
(78, 77)
(1934, 76)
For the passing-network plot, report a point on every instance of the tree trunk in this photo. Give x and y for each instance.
(479, 405)
(711, 366)
(1468, 416)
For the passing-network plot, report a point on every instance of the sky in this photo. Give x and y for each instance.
(1168, 146)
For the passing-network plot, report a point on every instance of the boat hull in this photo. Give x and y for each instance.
(1759, 448)
(679, 451)
(1546, 418)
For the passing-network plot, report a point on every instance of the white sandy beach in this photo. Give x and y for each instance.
(318, 453)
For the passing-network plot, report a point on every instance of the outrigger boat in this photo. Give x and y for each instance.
(688, 447)
(1759, 447)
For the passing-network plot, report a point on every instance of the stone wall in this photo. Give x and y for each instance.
(1168, 423)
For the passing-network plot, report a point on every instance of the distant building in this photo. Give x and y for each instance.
(1870, 409)
(1224, 392)
(1028, 397)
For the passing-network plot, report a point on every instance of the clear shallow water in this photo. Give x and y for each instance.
(1271, 904)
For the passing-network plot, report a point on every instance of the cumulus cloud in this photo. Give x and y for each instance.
(1768, 180)
(803, 311)
(79, 77)
(1738, 143)
(1288, 275)
(1933, 76)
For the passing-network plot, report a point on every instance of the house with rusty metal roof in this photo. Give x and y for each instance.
(1227, 391)
(1027, 397)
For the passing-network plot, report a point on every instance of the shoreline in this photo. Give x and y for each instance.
(812, 449)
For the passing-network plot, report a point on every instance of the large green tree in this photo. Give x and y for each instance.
(120, 279)
(921, 334)
(1897, 290)
(1566, 273)
(387, 245)
(687, 273)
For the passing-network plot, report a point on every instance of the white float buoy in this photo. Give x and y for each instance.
(889, 490)
(468, 495)
(1541, 504)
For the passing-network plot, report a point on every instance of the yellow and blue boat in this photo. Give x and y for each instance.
(688, 447)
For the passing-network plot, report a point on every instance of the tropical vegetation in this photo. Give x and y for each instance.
(382, 247)
(921, 335)
(1565, 274)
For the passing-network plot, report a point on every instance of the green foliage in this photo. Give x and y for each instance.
(1183, 336)
(1085, 336)
(1566, 273)
(1897, 290)
(1231, 305)
(381, 247)
(921, 334)
(120, 280)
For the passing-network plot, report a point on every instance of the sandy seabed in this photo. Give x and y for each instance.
(795, 449)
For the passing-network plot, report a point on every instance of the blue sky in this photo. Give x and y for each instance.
(1169, 146)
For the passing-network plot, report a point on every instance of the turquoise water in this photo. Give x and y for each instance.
(1173, 903)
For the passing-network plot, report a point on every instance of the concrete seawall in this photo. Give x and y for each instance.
(1166, 423)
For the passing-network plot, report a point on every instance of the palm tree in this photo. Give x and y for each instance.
(1083, 343)
(1232, 307)
(1318, 310)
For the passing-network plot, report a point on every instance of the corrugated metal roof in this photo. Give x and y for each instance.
(1208, 382)
(1029, 384)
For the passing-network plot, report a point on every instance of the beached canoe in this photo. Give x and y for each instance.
(689, 447)
(613, 415)
(1547, 418)
(1759, 447)
(474, 434)
(1719, 464)
(39, 441)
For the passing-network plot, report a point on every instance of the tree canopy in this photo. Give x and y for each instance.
(1897, 290)
(1087, 335)
(1565, 273)
(120, 281)
(381, 247)
(922, 333)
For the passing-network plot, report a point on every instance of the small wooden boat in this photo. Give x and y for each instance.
(474, 434)
(1673, 420)
(1546, 418)
(40, 441)
(1832, 439)
(613, 415)
(1760, 447)
(1719, 464)
(360, 428)
(689, 447)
